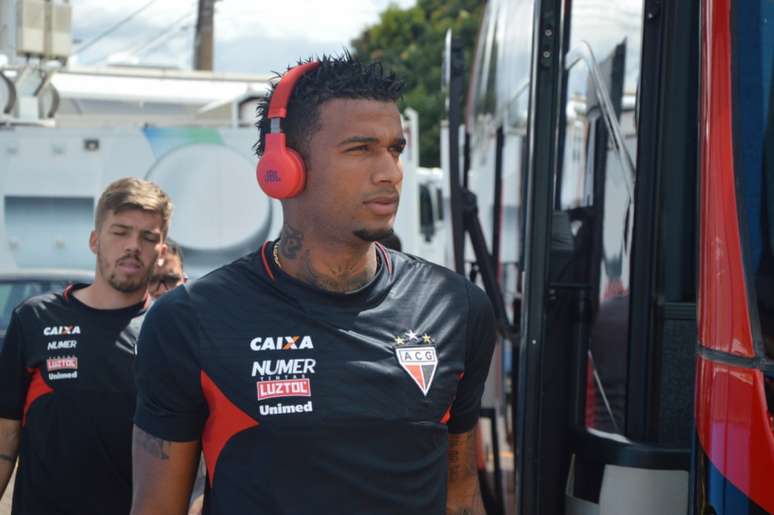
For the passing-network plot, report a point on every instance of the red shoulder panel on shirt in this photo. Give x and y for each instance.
(37, 388)
(225, 420)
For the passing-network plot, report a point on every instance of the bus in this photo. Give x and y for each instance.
(612, 188)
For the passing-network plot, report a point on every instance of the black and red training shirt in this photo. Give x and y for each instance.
(66, 372)
(311, 402)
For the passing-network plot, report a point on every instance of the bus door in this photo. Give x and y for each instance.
(593, 340)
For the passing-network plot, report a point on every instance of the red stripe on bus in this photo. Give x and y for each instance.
(732, 423)
(723, 311)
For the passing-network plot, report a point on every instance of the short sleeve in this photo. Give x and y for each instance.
(170, 403)
(14, 378)
(479, 341)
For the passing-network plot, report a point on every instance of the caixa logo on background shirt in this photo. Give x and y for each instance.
(57, 330)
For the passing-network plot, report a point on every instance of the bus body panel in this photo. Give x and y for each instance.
(734, 431)
(724, 319)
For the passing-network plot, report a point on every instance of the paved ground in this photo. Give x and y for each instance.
(5, 502)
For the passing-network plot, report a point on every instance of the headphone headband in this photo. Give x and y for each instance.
(278, 108)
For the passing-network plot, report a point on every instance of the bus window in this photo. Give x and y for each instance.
(595, 191)
(753, 104)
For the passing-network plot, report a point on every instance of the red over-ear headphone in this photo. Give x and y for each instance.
(281, 172)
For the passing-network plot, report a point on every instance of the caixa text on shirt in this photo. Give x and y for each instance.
(57, 330)
(281, 343)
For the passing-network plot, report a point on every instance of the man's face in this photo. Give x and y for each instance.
(354, 171)
(127, 245)
(166, 276)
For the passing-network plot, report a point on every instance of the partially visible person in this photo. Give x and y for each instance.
(168, 272)
(321, 374)
(67, 391)
(167, 275)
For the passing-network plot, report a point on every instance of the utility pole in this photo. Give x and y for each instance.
(205, 36)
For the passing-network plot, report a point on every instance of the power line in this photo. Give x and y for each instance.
(164, 37)
(166, 31)
(113, 28)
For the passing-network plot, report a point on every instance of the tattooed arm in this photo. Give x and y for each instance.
(464, 495)
(163, 474)
(9, 448)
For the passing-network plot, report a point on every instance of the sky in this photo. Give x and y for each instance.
(251, 36)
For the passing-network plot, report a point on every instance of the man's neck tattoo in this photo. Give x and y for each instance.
(339, 278)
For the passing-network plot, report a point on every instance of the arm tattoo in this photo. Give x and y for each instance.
(462, 456)
(291, 242)
(154, 446)
(7, 458)
(464, 497)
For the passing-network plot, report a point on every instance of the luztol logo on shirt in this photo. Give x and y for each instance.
(62, 363)
(62, 367)
(417, 355)
(283, 388)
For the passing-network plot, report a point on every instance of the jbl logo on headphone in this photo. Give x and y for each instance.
(281, 172)
(272, 175)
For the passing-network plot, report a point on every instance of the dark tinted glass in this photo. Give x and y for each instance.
(594, 201)
(752, 62)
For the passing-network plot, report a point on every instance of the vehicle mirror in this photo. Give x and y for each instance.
(446, 67)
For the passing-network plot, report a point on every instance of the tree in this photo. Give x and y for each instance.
(410, 42)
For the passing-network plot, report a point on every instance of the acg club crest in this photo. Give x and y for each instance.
(418, 357)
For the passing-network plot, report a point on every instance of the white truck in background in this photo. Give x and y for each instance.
(190, 132)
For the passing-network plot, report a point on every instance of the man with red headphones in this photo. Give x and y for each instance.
(322, 373)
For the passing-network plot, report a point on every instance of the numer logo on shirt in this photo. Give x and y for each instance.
(62, 344)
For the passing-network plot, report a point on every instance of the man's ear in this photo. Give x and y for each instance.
(93, 241)
(162, 254)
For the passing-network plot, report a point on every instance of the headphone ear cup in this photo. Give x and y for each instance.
(280, 171)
